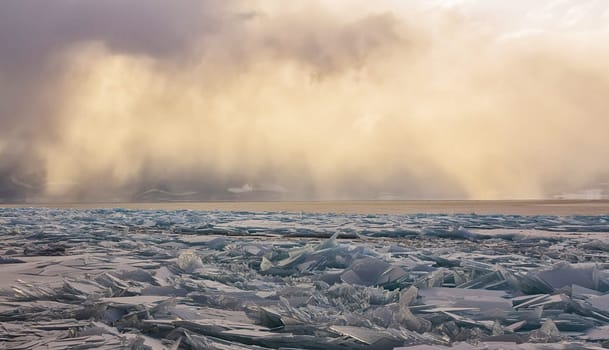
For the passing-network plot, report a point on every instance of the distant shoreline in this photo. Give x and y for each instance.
(559, 207)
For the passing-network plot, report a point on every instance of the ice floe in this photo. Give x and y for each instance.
(115, 278)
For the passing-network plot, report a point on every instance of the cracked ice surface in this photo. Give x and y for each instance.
(117, 278)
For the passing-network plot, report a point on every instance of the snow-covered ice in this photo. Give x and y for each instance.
(115, 278)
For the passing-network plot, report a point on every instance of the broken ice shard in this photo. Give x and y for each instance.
(237, 280)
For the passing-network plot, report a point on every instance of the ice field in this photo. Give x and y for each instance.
(185, 279)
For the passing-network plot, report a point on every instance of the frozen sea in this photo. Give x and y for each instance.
(305, 275)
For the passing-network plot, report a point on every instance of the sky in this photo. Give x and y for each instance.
(130, 100)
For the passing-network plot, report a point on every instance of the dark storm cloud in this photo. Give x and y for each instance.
(33, 31)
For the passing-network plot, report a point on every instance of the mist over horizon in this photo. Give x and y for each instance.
(308, 100)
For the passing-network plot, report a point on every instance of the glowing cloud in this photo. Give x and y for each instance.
(318, 99)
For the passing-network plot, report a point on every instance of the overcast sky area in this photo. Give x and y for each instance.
(127, 100)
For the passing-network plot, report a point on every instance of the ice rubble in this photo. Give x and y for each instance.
(110, 279)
